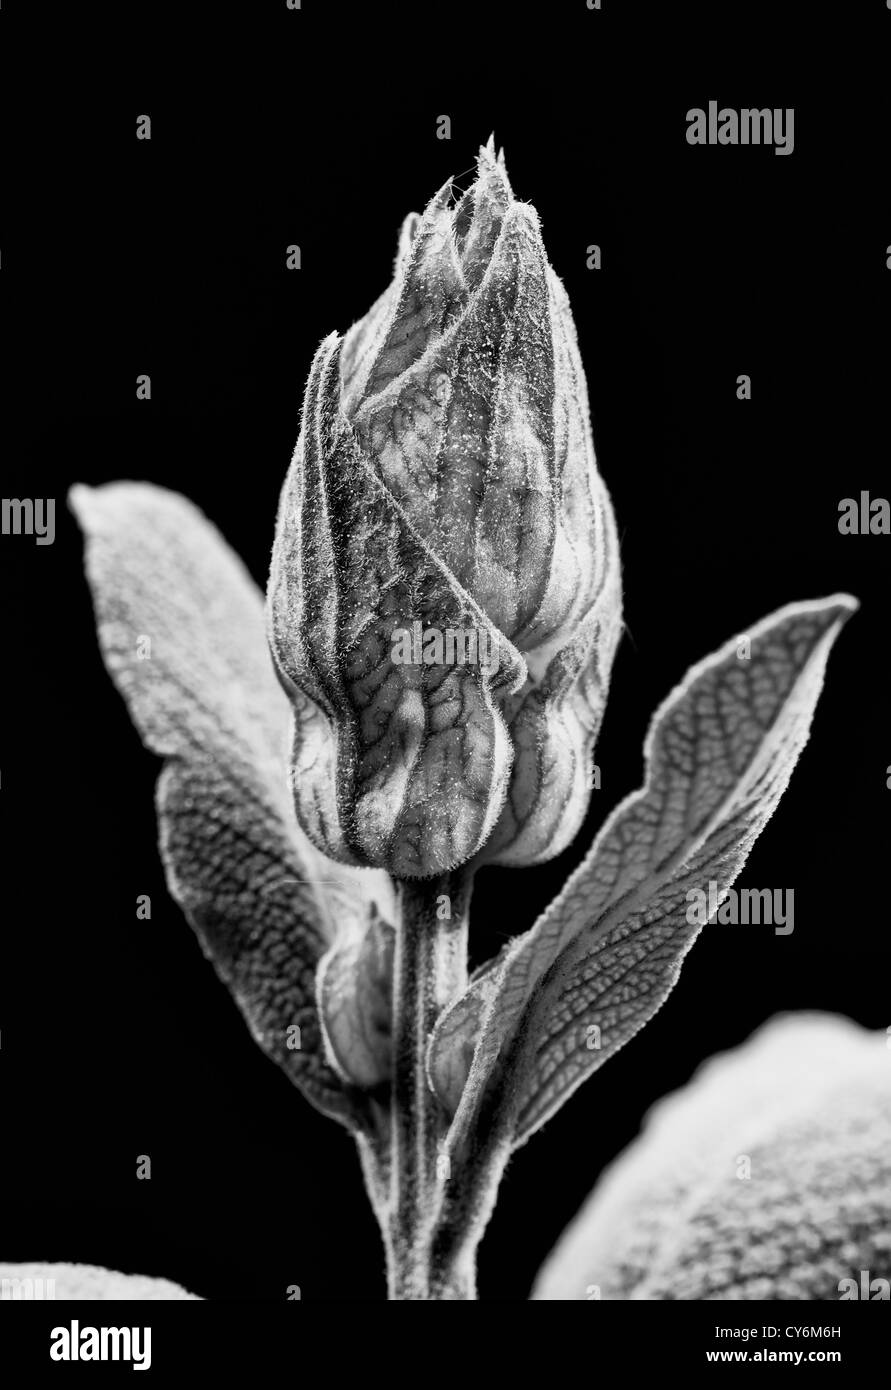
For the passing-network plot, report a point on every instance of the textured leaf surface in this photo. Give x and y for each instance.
(426, 296)
(355, 993)
(420, 752)
(608, 950)
(553, 726)
(554, 721)
(73, 1282)
(204, 696)
(807, 1103)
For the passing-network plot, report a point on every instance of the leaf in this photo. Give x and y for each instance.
(608, 950)
(766, 1177)
(71, 1282)
(355, 989)
(181, 626)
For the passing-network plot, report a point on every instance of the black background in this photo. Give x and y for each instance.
(121, 257)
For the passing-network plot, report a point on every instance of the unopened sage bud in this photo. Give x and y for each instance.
(445, 578)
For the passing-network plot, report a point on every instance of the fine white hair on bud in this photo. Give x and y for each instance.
(445, 475)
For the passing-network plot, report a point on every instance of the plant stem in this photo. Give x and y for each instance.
(430, 970)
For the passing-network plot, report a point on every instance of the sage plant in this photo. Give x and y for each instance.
(419, 698)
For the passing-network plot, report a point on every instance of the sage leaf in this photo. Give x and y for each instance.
(182, 630)
(765, 1177)
(606, 953)
(355, 988)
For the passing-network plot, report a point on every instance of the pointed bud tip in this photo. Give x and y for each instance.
(491, 171)
(488, 158)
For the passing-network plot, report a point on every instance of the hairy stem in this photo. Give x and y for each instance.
(430, 969)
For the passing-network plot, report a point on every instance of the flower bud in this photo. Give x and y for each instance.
(444, 481)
